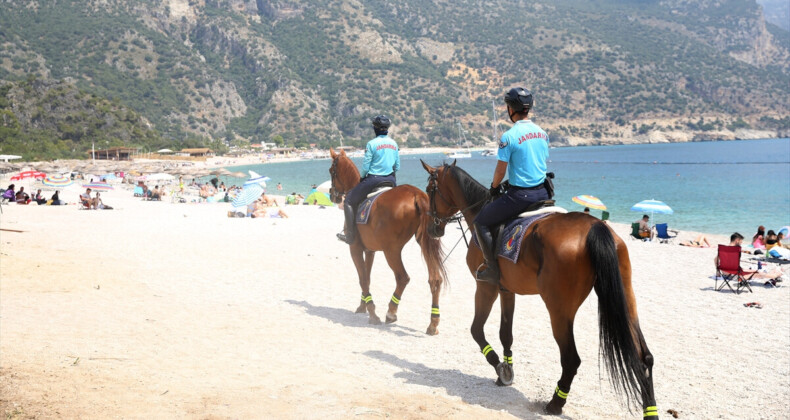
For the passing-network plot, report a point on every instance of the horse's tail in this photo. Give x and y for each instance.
(432, 251)
(617, 347)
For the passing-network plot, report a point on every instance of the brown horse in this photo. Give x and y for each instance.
(396, 216)
(564, 257)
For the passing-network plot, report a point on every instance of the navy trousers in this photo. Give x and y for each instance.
(368, 183)
(509, 205)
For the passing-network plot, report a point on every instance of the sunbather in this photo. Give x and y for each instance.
(700, 242)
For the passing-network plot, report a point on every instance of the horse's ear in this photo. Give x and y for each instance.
(332, 153)
(342, 152)
(454, 162)
(427, 167)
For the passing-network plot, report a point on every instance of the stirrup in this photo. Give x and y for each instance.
(488, 275)
(342, 237)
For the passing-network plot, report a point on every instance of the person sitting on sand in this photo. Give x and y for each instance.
(645, 231)
(100, 204)
(586, 210)
(9, 194)
(700, 242)
(38, 198)
(22, 197)
(56, 199)
(770, 240)
(758, 240)
(736, 239)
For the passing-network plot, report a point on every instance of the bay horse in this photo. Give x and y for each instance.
(564, 257)
(395, 217)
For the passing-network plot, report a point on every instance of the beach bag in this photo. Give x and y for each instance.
(548, 184)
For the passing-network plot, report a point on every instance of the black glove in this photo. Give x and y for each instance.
(494, 191)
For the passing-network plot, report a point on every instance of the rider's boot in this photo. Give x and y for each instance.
(350, 228)
(486, 241)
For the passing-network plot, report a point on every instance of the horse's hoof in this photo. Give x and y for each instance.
(374, 321)
(390, 319)
(505, 373)
(552, 409)
(432, 330)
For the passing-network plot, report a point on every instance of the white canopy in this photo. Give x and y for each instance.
(6, 158)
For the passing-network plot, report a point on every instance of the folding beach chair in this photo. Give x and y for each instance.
(728, 267)
(635, 231)
(604, 216)
(663, 234)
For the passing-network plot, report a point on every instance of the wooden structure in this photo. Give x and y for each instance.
(113, 153)
(202, 152)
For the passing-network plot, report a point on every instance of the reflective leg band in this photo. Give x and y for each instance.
(434, 312)
(508, 359)
(651, 411)
(367, 299)
(486, 350)
(559, 393)
(395, 300)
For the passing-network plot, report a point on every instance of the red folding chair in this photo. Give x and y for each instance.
(728, 266)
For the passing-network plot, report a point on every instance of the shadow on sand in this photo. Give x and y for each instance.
(349, 318)
(470, 388)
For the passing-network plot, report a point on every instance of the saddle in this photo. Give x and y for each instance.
(380, 188)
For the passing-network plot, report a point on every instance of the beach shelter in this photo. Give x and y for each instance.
(319, 198)
(160, 176)
(325, 186)
(589, 201)
(57, 181)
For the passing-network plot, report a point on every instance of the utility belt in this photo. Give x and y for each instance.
(517, 188)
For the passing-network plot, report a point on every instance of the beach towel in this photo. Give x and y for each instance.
(509, 241)
(363, 210)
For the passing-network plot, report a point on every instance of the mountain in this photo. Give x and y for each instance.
(777, 12)
(294, 72)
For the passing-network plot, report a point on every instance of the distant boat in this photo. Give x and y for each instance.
(488, 153)
(460, 154)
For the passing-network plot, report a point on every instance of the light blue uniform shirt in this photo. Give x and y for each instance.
(525, 148)
(381, 157)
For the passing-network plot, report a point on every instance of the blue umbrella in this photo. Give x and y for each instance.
(652, 206)
(247, 196)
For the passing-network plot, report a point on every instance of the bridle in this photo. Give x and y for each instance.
(433, 188)
(333, 194)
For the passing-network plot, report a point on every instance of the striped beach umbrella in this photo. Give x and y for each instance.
(247, 196)
(589, 201)
(99, 186)
(57, 181)
(652, 206)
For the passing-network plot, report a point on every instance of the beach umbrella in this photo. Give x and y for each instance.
(57, 181)
(98, 186)
(652, 206)
(28, 175)
(247, 196)
(325, 186)
(589, 201)
(256, 179)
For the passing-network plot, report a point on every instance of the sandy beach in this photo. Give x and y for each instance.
(157, 310)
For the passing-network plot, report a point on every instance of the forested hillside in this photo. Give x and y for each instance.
(295, 73)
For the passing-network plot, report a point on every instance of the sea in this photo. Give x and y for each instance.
(716, 187)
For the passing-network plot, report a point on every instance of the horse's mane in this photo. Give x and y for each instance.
(474, 192)
(347, 169)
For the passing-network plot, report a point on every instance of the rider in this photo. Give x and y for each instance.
(523, 151)
(380, 164)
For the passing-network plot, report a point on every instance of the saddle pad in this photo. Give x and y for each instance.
(378, 191)
(363, 210)
(508, 243)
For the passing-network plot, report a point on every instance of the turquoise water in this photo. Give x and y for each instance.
(716, 187)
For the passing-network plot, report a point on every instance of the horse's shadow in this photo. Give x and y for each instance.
(470, 388)
(349, 318)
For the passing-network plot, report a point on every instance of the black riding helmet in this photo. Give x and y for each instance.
(381, 123)
(519, 100)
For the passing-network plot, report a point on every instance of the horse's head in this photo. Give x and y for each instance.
(344, 175)
(442, 203)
